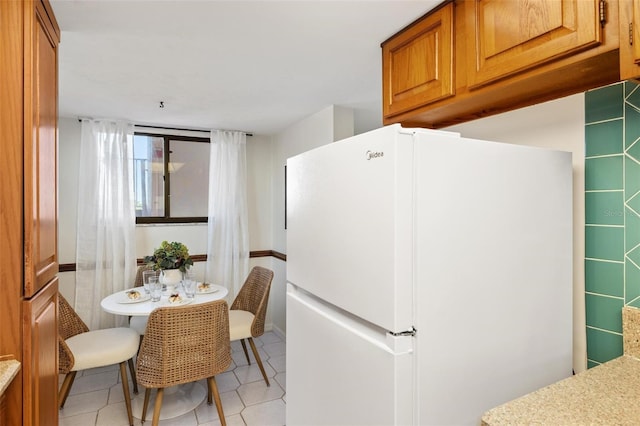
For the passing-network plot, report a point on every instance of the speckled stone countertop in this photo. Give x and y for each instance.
(8, 370)
(608, 394)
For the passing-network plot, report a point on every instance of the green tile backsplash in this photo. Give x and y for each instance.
(602, 173)
(604, 138)
(603, 346)
(604, 277)
(604, 208)
(612, 215)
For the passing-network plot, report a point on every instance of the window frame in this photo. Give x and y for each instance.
(167, 219)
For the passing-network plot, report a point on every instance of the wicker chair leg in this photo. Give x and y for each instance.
(158, 405)
(133, 376)
(216, 396)
(244, 347)
(258, 360)
(125, 390)
(66, 387)
(147, 392)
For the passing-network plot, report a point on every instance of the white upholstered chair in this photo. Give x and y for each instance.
(80, 349)
(248, 311)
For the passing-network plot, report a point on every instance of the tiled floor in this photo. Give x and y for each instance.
(96, 396)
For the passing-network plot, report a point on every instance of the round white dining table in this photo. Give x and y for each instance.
(177, 400)
(119, 304)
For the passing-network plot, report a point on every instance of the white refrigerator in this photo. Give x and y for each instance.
(429, 277)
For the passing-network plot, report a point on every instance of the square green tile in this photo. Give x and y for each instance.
(604, 138)
(604, 312)
(604, 103)
(631, 282)
(604, 277)
(603, 346)
(604, 208)
(603, 173)
(604, 242)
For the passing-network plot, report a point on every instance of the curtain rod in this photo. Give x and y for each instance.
(175, 128)
(190, 130)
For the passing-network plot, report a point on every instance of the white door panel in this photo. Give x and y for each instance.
(341, 371)
(349, 225)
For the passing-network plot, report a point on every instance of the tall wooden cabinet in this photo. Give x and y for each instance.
(29, 37)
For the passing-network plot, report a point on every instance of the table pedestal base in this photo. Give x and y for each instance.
(177, 400)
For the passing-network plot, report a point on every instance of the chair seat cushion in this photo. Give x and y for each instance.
(240, 324)
(103, 347)
(139, 324)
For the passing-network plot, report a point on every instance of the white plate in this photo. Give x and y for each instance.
(124, 298)
(211, 289)
(183, 301)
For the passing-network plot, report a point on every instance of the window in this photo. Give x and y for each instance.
(171, 178)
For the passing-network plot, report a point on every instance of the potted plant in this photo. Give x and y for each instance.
(172, 259)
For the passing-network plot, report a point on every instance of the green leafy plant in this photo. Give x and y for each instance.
(172, 255)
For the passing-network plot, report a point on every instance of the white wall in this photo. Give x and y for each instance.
(557, 124)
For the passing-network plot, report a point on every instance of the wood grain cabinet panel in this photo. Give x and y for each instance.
(40, 147)
(506, 54)
(40, 357)
(629, 11)
(418, 63)
(507, 36)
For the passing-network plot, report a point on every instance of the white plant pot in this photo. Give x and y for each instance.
(170, 278)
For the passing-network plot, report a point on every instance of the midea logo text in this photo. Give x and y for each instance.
(374, 154)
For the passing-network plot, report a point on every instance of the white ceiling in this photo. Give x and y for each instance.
(256, 66)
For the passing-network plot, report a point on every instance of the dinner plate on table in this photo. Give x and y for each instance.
(182, 301)
(124, 297)
(210, 289)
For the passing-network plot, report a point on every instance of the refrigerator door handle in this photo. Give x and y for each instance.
(411, 332)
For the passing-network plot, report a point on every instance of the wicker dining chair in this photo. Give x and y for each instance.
(184, 344)
(80, 349)
(248, 311)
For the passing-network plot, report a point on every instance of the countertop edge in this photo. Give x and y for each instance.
(607, 391)
(8, 370)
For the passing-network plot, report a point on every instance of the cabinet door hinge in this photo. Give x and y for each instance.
(631, 34)
(603, 12)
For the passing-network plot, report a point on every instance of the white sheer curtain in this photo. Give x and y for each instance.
(105, 247)
(228, 233)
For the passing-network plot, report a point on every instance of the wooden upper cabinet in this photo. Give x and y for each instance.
(506, 54)
(418, 63)
(506, 36)
(629, 39)
(40, 146)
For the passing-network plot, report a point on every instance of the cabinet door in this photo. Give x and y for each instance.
(417, 64)
(510, 36)
(40, 147)
(40, 357)
(629, 13)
